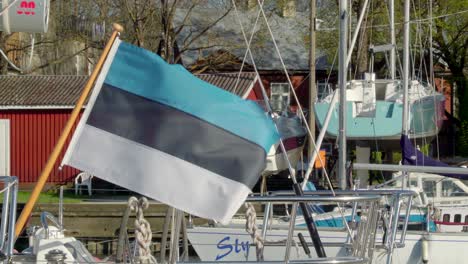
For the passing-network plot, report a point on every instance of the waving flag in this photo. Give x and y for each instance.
(156, 129)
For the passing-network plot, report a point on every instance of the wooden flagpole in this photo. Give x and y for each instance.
(20, 223)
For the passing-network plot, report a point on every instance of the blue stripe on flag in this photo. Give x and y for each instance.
(176, 87)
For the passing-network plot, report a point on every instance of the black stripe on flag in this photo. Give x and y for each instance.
(177, 133)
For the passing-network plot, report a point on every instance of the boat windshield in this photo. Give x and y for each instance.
(429, 187)
(451, 189)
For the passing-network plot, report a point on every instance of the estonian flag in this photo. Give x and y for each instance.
(156, 129)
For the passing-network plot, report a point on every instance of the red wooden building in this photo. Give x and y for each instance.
(33, 112)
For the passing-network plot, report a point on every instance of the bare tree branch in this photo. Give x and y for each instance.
(207, 28)
(184, 21)
(201, 48)
(58, 61)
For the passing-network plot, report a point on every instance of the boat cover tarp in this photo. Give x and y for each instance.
(412, 156)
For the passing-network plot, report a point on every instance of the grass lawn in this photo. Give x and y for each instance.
(49, 197)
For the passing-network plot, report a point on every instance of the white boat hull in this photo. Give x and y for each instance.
(234, 244)
(277, 162)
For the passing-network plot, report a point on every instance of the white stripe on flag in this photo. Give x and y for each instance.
(92, 99)
(157, 175)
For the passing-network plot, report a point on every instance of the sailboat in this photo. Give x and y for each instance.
(414, 247)
(444, 246)
(293, 132)
(375, 106)
(230, 243)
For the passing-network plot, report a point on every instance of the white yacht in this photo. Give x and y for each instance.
(447, 196)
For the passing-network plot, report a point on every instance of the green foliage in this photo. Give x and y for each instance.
(396, 157)
(327, 34)
(376, 176)
(48, 197)
(462, 143)
(376, 157)
(425, 149)
(451, 44)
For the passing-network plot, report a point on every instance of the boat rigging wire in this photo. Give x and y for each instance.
(309, 220)
(411, 21)
(432, 79)
(312, 137)
(260, 4)
(249, 44)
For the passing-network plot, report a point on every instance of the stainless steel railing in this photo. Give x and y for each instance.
(7, 225)
(396, 197)
(358, 251)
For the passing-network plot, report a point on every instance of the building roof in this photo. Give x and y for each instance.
(290, 35)
(62, 91)
(227, 81)
(40, 91)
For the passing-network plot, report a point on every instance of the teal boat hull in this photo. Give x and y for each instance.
(425, 118)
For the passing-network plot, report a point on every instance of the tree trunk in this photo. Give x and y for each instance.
(3, 61)
(165, 44)
(462, 93)
(362, 55)
(462, 138)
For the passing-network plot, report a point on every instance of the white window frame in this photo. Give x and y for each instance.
(282, 94)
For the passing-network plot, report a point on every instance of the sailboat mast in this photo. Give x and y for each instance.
(312, 86)
(431, 57)
(391, 8)
(342, 86)
(406, 41)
